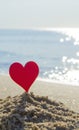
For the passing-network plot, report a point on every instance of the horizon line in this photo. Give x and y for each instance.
(41, 28)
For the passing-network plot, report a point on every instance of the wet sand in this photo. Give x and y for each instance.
(30, 112)
(67, 94)
(27, 111)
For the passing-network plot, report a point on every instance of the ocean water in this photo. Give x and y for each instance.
(56, 51)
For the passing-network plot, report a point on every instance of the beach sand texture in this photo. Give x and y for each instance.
(26, 111)
(67, 94)
(30, 112)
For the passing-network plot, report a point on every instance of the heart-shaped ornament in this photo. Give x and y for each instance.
(24, 76)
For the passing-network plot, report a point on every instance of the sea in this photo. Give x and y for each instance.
(55, 50)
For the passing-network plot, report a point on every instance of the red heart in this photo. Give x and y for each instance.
(24, 76)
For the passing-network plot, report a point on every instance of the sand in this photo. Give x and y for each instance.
(22, 111)
(67, 94)
(30, 112)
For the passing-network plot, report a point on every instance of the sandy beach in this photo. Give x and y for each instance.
(47, 106)
(67, 94)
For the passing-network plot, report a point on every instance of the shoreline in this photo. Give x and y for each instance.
(67, 94)
(51, 81)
